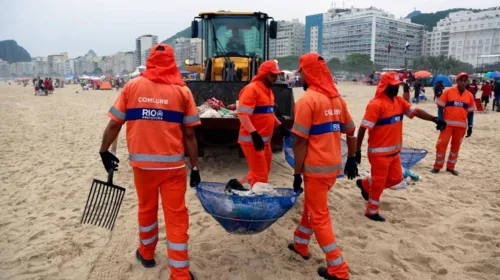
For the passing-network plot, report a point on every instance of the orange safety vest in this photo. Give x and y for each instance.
(384, 121)
(456, 106)
(257, 101)
(155, 114)
(321, 119)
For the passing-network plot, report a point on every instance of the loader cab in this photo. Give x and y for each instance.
(233, 44)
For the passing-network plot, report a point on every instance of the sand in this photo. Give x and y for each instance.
(444, 227)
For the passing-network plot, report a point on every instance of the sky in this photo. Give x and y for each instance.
(108, 26)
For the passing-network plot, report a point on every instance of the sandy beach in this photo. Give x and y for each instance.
(442, 228)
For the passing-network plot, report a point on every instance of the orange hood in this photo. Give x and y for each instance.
(161, 66)
(388, 78)
(317, 75)
(268, 66)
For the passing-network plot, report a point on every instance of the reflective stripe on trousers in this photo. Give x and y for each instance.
(250, 140)
(156, 158)
(322, 169)
(385, 149)
(178, 264)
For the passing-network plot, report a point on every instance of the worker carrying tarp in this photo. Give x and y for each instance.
(321, 116)
(384, 120)
(160, 113)
(456, 108)
(257, 118)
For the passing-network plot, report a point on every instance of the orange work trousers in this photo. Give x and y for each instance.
(386, 172)
(316, 219)
(259, 163)
(171, 185)
(456, 135)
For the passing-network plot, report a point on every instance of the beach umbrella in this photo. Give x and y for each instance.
(492, 75)
(423, 74)
(441, 78)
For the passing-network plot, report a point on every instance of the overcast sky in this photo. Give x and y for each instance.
(107, 26)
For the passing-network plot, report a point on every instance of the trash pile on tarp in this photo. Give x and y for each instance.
(214, 108)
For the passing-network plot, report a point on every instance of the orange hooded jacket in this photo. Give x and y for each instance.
(156, 106)
(321, 116)
(257, 101)
(384, 118)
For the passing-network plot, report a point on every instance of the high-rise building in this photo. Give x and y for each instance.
(468, 36)
(55, 61)
(41, 66)
(24, 68)
(5, 69)
(142, 44)
(195, 49)
(341, 32)
(182, 50)
(128, 63)
(69, 66)
(290, 40)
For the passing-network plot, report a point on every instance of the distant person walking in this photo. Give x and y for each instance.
(472, 88)
(496, 90)
(487, 90)
(406, 90)
(418, 87)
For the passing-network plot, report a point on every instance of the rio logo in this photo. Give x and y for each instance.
(336, 127)
(458, 104)
(152, 114)
(397, 119)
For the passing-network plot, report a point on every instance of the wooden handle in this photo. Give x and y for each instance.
(113, 145)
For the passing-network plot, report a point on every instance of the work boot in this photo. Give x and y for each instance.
(364, 194)
(236, 185)
(434, 170)
(376, 218)
(454, 172)
(292, 248)
(144, 262)
(323, 272)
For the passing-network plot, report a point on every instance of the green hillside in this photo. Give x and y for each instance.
(429, 20)
(184, 33)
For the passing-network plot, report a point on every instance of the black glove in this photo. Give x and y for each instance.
(284, 131)
(195, 179)
(358, 157)
(351, 168)
(109, 160)
(440, 124)
(469, 132)
(297, 183)
(258, 143)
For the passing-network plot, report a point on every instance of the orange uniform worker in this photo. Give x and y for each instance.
(256, 114)
(384, 121)
(160, 113)
(321, 116)
(456, 107)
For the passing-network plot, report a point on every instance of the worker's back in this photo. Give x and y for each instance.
(155, 114)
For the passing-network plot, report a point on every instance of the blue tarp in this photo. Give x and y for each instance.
(444, 79)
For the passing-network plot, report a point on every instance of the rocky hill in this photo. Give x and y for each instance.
(10, 51)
